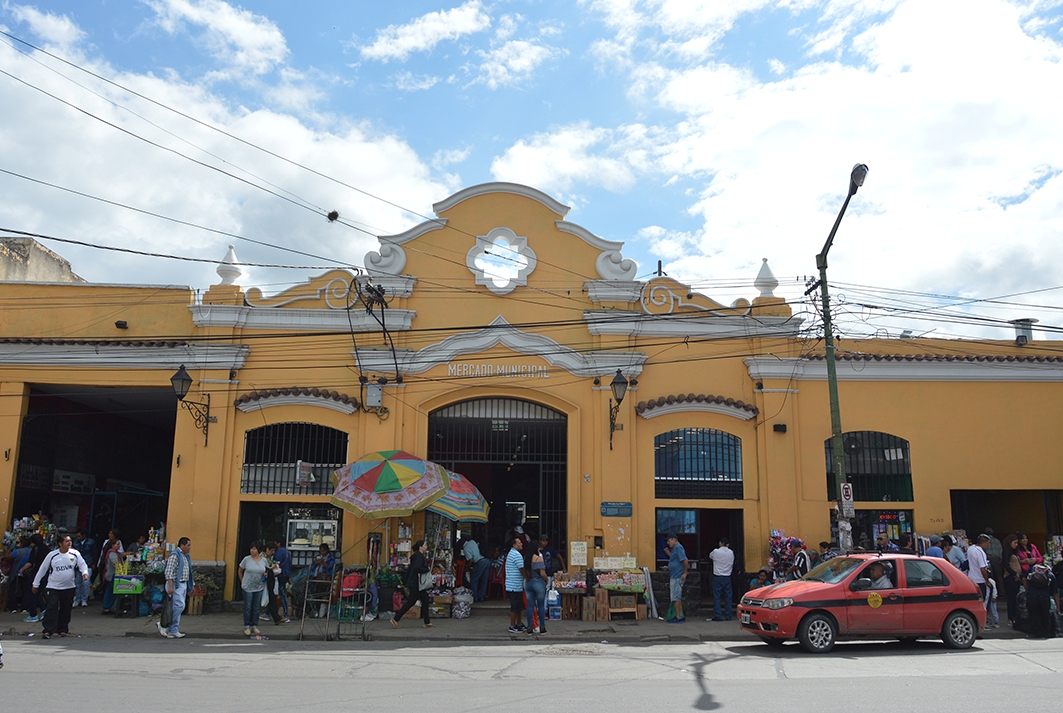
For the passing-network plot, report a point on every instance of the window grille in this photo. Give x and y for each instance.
(698, 463)
(877, 464)
(271, 455)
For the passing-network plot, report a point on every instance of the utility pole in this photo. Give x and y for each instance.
(856, 179)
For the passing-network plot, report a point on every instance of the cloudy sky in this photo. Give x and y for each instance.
(707, 134)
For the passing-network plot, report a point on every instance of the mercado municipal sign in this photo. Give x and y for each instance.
(509, 371)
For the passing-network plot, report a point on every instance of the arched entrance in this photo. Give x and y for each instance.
(515, 452)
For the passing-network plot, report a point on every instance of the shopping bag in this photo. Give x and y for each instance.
(166, 613)
(671, 612)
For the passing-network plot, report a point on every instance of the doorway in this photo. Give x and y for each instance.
(515, 452)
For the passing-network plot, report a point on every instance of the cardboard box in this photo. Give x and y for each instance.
(628, 601)
(554, 612)
(588, 604)
(640, 613)
(447, 600)
(588, 615)
(601, 597)
(438, 611)
(616, 602)
(601, 613)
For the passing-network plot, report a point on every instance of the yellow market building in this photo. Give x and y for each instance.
(487, 340)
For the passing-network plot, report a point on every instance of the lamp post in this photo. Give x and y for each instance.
(856, 179)
(201, 417)
(619, 388)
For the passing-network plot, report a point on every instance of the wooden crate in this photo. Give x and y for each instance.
(572, 606)
(195, 606)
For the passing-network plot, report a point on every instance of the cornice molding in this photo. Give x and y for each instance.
(621, 322)
(298, 319)
(721, 409)
(110, 356)
(628, 291)
(500, 187)
(584, 364)
(588, 237)
(905, 370)
(414, 232)
(296, 396)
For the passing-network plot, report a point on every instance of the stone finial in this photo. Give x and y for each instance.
(229, 269)
(766, 281)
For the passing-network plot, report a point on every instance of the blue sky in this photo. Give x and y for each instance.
(704, 134)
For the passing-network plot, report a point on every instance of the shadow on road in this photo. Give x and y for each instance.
(851, 650)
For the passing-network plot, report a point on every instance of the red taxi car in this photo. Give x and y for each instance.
(868, 595)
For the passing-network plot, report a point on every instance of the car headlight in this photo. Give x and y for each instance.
(780, 603)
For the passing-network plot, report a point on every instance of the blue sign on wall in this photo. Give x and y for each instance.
(616, 509)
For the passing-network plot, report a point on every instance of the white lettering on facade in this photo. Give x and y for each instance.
(505, 371)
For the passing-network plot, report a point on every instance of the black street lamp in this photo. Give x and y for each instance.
(201, 417)
(619, 388)
(856, 179)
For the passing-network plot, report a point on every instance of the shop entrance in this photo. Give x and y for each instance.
(515, 453)
(96, 457)
(1039, 513)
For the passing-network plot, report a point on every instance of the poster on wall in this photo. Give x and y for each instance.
(304, 473)
(577, 554)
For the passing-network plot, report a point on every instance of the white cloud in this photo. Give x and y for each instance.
(555, 161)
(400, 41)
(441, 159)
(513, 62)
(246, 43)
(776, 67)
(56, 30)
(410, 82)
(47, 141)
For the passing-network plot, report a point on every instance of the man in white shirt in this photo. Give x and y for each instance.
(63, 568)
(723, 560)
(978, 563)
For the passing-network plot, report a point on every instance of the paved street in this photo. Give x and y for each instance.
(152, 674)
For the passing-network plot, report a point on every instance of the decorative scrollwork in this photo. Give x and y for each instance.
(667, 296)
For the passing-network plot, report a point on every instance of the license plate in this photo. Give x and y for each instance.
(745, 617)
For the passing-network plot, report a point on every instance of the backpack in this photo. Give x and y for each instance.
(965, 566)
(1038, 578)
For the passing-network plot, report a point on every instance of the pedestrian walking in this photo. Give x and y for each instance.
(31, 602)
(535, 588)
(418, 582)
(87, 547)
(283, 559)
(179, 583)
(723, 560)
(58, 576)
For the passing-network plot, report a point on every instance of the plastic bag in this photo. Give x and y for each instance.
(166, 614)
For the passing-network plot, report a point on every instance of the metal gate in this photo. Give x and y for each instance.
(512, 436)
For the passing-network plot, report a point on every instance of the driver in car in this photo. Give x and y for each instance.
(879, 578)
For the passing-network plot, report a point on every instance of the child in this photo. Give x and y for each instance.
(992, 619)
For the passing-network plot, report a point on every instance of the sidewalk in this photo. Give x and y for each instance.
(486, 625)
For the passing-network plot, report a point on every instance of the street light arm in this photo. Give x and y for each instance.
(821, 259)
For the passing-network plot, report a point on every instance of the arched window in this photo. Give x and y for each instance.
(877, 464)
(698, 463)
(292, 459)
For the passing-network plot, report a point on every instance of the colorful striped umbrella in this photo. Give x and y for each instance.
(462, 502)
(388, 484)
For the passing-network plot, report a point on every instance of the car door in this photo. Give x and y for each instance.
(928, 596)
(871, 611)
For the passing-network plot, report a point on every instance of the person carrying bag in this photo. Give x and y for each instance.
(418, 581)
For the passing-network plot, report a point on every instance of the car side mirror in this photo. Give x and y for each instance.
(860, 585)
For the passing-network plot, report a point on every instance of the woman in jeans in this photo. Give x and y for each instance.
(1012, 575)
(535, 588)
(252, 571)
(418, 566)
(111, 558)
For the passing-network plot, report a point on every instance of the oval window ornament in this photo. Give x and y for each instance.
(501, 261)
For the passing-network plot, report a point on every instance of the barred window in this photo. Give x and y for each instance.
(877, 464)
(273, 456)
(698, 463)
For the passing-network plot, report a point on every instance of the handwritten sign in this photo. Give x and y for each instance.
(577, 554)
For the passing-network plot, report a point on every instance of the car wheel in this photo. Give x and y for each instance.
(960, 630)
(817, 633)
(772, 642)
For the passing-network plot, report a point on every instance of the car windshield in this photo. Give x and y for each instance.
(833, 570)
